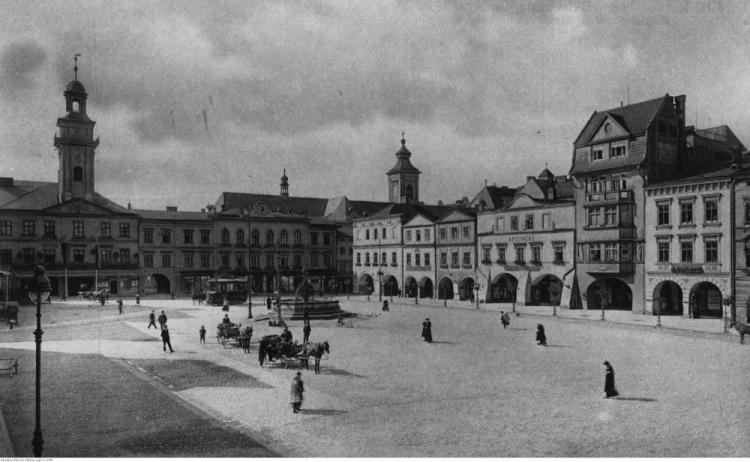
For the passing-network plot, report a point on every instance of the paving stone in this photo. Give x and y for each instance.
(184, 374)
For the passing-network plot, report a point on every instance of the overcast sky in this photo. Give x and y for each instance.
(194, 98)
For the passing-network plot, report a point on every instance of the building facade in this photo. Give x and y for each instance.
(419, 257)
(456, 253)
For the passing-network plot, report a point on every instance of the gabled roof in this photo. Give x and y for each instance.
(458, 214)
(44, 196)
(342, 210)
(408, 210)
(291, 205)
(635, 118)
(495, 197)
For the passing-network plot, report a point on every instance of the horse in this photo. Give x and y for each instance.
(742, 329)
(315, 350)
(272, 346)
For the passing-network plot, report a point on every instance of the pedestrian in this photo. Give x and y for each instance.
(505, 319)
(152, 320)
(203, 334)
(162, 319)
(246, 337)
(341, 318)
(298, 388)
(268, 303)
(541, 339)
(306, 332)
(173, 295)
(609, 381)
(137, 298)
(226, 305)
(119, 304)
(102, 299)
(427, 330)
(165, 339)
(385, 305)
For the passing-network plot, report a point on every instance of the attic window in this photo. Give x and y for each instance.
(606, 127)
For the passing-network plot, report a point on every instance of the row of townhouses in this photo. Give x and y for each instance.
(653, 217)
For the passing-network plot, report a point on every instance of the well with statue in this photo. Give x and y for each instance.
(303, 305)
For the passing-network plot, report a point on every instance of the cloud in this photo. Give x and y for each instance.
(567, 24)
(20, 63)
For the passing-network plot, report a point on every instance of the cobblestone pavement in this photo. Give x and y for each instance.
(478, 390)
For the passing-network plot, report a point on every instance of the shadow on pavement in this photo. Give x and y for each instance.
(322, 411)
(556, 346)
(444, 342)
(645, 400)
(341, 372)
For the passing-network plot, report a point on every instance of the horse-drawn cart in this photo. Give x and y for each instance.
(230, 334)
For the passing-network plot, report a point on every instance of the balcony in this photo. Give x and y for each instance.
(610, 196)
(608, 267)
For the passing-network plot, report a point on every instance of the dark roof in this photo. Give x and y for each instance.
(410, 210)
(635, 118)
(37, 195)
(403, 164)
(172, 215)
(291, 205)
(75, 86)
(707, 175)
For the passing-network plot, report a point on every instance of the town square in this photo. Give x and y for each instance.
(399, 228)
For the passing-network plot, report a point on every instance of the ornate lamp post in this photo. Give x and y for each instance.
(246, 212)
(40, 287)
(278, 285)
(657, 300)
(64, 249)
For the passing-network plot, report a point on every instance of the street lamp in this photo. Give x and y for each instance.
(658, 311)
(39, 287)
(249, 267)
(64, 249)
(278, 286)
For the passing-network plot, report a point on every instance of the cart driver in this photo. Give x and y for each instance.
(226, 319)
(286, 336)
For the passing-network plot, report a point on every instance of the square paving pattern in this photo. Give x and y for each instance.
(185, 374)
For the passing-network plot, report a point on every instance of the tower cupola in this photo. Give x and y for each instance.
(403, 178)
(284, 185)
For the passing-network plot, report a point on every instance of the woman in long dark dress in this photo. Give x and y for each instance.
(541, 339)
(427, 330)
(609, 381)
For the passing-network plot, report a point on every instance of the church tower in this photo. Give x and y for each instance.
(75, 145)
(403, 178)
(284, 185)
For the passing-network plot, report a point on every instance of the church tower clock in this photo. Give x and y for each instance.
(75, 145)
(403, 178)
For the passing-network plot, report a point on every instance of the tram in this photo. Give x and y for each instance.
(233, 290)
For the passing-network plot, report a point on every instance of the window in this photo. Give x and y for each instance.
(418, 235)
(595, 253)
(486, 253)
(546, 221)
(166, 236)
(443, 234)
(662, 214)
(6, 228)
(375, 233)
(49, 255)
(314, 259)
(686, 213)
(148, 260)
(408, 236)
(327, 239)
(124, 229)
(166, 260)
(49, 229)
(443, 259)
(269, 261)
(284, 237)
(383, 260)
(225, 237)
(148, 235)
(224, 260)
(106, 257)
(298, 261)
(500, 224)
(611, 252)
(594, 216)
(427, 235)
(686, 251)
(712, 250)
(313, 238)
(6, 256)
(559, 250)
(617, 151)
(466, 232)
(206, 236)
(105, 230)
(417, 259)
(528, 222)
(187, 236)
(78, 230)
(125, 256)
(454, 232)
(327, 260)
(597, 154)
(711, 210)
(520, 254)
(610, 215)
(467, 259)
(747, 212)
(662, 251)
(427, 260)
(454, 259)
(298, 237)
(239, 237)
(29, 227)
(374, 258)
(367, 259)
(269, 237)
(393, 259)
(78, 255)
(514, 223)
(359, 259)
(188, 260)
(367, 234)
(536, 253)
(283, 260)
(205, 259)
(501, 253)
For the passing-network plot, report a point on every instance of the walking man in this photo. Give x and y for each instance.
(138, 298)
(609, 381)
(119, 304)
(203, 334)
(427, 330)
(298, 388)
(165, 339)
(152, 320)
(162, 319)
(306, 332)
(541, 339)
(505, 319)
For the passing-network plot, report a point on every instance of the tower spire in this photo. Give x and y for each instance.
(75, 67)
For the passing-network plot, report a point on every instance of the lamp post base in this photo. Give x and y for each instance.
(37, 443)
